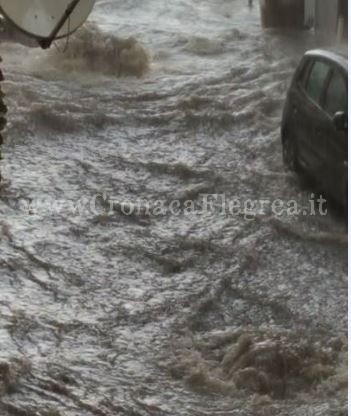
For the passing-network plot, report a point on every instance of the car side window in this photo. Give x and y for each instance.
(305, 73)
(317, 79)
(336, 94)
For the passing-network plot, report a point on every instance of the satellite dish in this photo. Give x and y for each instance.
(47, 20)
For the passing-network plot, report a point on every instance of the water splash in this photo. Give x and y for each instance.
(90, 49)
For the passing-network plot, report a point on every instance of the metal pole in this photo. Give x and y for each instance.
(46, 43)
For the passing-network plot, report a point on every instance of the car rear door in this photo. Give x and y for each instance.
(335, 141)
(309, 114)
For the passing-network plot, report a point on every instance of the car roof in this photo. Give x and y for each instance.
(336, 55)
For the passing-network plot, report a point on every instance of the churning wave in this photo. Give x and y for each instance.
(92, 50)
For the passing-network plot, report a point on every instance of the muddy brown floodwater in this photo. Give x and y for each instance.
(145, 314)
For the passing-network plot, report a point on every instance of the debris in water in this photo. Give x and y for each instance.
(257, 362)
(10, 373)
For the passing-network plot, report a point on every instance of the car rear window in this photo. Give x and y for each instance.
(317, 79)
(336, 94)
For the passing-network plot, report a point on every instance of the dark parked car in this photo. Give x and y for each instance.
(314, 125)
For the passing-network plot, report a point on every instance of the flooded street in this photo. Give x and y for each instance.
(192, 314)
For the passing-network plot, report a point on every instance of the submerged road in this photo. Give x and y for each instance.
(118, 311)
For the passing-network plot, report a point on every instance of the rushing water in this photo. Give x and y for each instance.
(190, 314)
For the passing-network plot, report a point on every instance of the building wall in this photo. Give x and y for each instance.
(282, 13)
(323, 15)
(326, 18)
(343, 12)
(310, 9)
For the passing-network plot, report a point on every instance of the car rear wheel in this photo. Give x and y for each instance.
(290, 158)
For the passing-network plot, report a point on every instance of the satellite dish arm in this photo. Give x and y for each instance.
(46, 43)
